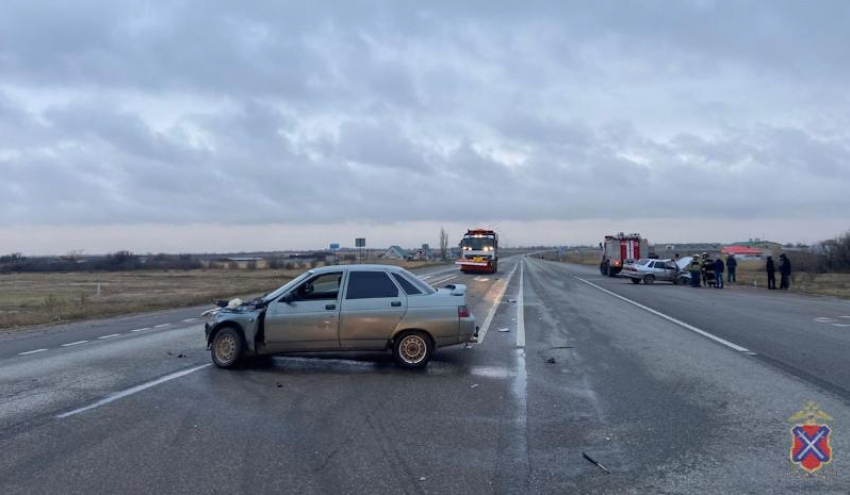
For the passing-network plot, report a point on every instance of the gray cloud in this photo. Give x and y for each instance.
(277, 112)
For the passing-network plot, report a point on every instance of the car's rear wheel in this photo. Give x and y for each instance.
(635, 280)
(413, 349)
(649, 279)
(227, 348)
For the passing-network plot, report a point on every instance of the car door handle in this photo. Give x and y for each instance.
(330, 306)
(395, 304)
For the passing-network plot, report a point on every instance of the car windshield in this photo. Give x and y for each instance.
(271, 296)
(642, 262)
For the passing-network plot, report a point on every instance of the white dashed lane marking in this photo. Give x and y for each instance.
(190, 320)
(162, 325)
(31, 352)
(79, 342)
(111, 335)
(132, 390)
(141, 329)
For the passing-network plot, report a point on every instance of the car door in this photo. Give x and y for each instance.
(372, 306)
(306, 318)
(671, 271)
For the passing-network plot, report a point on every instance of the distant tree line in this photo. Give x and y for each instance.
(118, 261)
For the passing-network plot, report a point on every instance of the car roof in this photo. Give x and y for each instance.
(357, 268)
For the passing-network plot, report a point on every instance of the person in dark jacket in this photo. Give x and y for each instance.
(708, 277)
(771, 274)
(718, 272)
(694, 268)
(784, 272)
(731, 268)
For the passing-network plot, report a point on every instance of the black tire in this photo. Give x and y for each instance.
(413, 349)
(635, 280)
(649, 279)
(227, 348)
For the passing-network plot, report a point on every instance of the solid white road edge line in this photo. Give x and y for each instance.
(132, 390)
(520, 310)
(670, 319)
(75, 343)
(27, 353)
(102, 337)
(482, 331)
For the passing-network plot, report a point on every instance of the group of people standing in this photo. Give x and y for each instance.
(710, 272)
(784, 273)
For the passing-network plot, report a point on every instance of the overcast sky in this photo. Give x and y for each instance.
(219, 125)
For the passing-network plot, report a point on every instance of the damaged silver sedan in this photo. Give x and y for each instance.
(343, 308)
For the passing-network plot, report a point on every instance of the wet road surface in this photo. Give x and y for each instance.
(565, 372)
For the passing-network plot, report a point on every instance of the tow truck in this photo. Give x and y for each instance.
(479, 251)
(617, 250)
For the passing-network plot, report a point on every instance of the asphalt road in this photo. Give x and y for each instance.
(688, 393)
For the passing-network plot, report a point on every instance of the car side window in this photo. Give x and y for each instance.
(321, 287)
(407, 285)
(370, 285)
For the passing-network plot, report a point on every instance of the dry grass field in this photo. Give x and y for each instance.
(40, 298)
(824, 284)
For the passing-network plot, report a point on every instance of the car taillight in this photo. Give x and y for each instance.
(462, 312)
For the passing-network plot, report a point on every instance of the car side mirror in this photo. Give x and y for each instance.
(287, 298)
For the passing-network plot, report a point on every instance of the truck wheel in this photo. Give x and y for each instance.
(649, 279)
(227, 348)
(412, 349)
(635, 280)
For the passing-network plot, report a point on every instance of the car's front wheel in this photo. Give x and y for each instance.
(413, 349)
(649, 279)
(227, 348)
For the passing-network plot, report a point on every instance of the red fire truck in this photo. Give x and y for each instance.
(479, 251)
(617, 250)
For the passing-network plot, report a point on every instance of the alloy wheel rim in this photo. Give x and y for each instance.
(225, 348)
(412, 349)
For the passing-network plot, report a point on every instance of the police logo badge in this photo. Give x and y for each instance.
(810, 449)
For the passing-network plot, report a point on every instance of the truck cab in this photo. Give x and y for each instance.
(479, 251)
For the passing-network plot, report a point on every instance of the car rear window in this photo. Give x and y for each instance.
(641, 262)
(369, 285)
(407, 285)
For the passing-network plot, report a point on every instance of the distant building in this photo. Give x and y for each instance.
(239, 263)
(742, 252)
(394, 253)
(768, 248)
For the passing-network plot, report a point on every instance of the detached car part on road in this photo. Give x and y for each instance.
(650, 271)
(344, 308)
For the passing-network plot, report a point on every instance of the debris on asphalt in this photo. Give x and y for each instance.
(505, 329)
(180, 356)
(551, 361)
(595, 462)
(473, 385)
(279, 385)
(170, 354)
(512, 300)
(422, 479)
